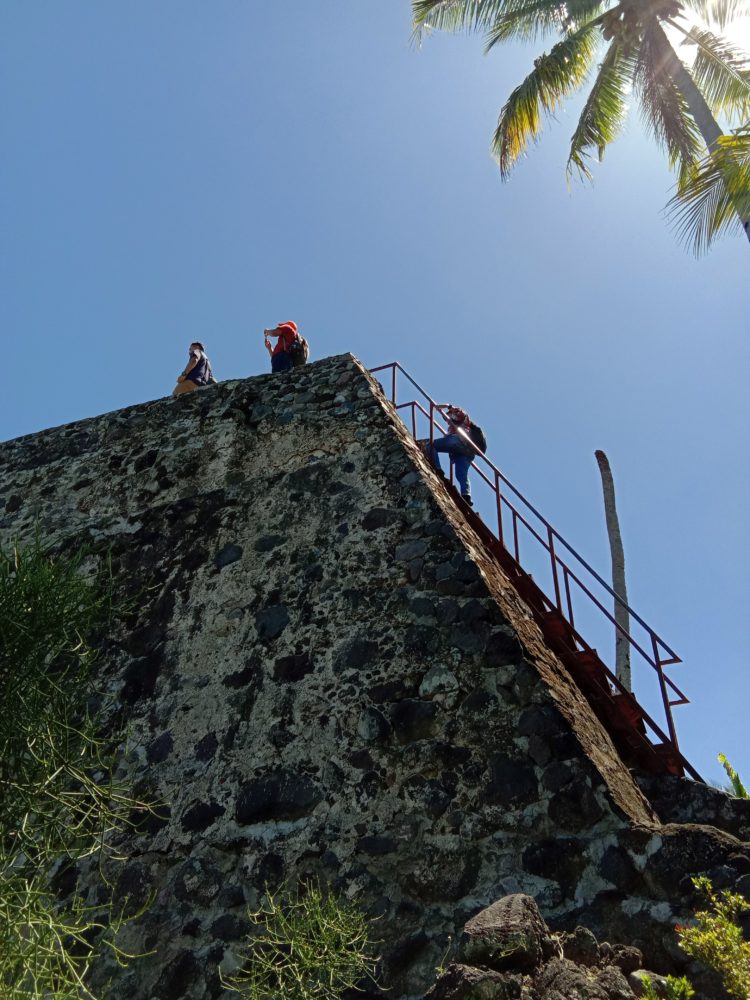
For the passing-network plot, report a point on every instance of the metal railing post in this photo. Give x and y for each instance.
(553, 557)
(664, 692)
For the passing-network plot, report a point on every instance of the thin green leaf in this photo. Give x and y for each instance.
(720, 13)
(556, 75)
(604, 113)
(716, 198)
(722, 72)
(530, 19)
(663, 107)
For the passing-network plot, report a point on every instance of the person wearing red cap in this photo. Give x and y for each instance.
(281, 358)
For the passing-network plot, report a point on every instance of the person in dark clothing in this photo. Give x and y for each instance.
(281, 358)
(457, 445)
(197, 371)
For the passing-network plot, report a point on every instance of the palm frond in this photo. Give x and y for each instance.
(716, 198)
(530, 19)
(721, 71)
(605, 109)
(455, 15)
(555, 75)
(663, 107)
(719, 13)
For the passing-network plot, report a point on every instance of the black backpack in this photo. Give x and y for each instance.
(477, 436)
(299, 351)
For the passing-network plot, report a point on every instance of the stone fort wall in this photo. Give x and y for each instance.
(327, 675)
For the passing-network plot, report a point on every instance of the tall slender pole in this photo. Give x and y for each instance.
(622, 615)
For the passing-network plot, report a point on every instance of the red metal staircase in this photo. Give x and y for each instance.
(570, 582)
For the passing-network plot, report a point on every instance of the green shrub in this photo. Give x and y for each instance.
(716, 939)
(306, 944)
(58, 798)
(677, 989)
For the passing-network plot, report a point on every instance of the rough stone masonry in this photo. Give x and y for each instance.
(327, 675)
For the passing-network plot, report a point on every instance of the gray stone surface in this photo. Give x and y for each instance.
(326, 674)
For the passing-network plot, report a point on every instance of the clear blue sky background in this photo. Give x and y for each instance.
(175, 169)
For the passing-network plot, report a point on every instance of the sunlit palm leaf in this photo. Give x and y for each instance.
(529, 19)
(717, 198)
(719, 13)
(556, 75)
(663, 108)
(605, 110)
(722, 72)
(455, 15)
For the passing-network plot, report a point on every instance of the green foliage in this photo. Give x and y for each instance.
(58, 798)
(305, 945)
(716, 939)
(677, 989)
(715, 197)
(625, 48)
(738, 789)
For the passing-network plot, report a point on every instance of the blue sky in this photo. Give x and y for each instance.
(173, 169)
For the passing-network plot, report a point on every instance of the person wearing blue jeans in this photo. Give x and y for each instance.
(455, 445)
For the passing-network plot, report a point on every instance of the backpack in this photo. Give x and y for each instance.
(477, 436)
(299, 351)
(210, 380)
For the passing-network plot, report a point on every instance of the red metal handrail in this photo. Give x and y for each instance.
(578, 577)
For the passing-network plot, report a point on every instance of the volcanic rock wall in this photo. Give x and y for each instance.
(328, 675)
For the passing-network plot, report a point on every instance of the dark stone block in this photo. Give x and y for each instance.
(251, 674)
(201, 815)
(228, 555)
(140, 678)
(356, 653)
(581, 947)
(512, 782)
(541, 720)
(270, 872)
(575, 808)
(377, 846)
(478, 701)
(206, 747)
(230, 927)
(380, 517)
(463, 982)
(271, 622)
(616, 866)
(178, 977)
(197, 882)
(159, 749)
(132, 889)
(292, 668)
(413, 720)
(269, 542)
(390, 691)
(509, 934)
(362, 760)
(422, 607)
(280, 795)
(561, 860)
(373, 727)
(443, 875)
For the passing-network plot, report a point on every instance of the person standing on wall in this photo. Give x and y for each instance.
(197, 371)
(458, 444)
(281, 357)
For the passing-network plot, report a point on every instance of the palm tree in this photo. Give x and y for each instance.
(679, 105)
(717, 195)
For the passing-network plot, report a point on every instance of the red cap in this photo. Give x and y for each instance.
(287, 326)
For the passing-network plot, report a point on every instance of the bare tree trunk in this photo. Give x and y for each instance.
(696, 102)
(622, 615)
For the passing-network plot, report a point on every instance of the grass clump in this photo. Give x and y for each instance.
(59, 801)
(305, 944)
